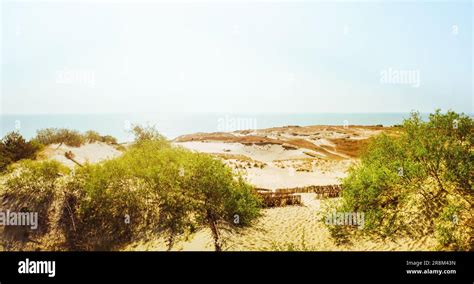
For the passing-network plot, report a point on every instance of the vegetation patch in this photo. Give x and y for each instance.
(418, 182)
(153, 189)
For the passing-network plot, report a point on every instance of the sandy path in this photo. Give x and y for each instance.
(272, 177)
(301, 227)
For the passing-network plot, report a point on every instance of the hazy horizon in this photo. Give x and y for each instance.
(174, 125)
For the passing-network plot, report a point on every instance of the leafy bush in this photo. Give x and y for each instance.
(30, 186)
(59, 136)
(407, 182)
(93, 136)
(105, 197)
(166, 170)
(13, 147)
(71, 137)
(147, 133)
(153, 188)
(109, 139)
(449, 233)
(163, 190)
(193, 190)
(222, 199)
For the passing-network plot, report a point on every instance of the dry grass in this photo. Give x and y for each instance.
(350, 147)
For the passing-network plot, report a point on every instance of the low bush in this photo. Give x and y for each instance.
(147, 133)
(418, 182)
(72, 138)
(59, 136)
(31, 186)
(93, 136)
(160, 190)
(13, 147)
(109, 207)
(222, 198)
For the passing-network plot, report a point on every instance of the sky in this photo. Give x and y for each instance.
(236, 56)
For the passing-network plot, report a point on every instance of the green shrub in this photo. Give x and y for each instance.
(5, 158)
(449, 229)
(32, 186)
(167, 171)
(110, 207)
(223, 200)
(191, 189)
(109, 139)
(13, 147)
(152, 189)
(147, 133)
(93, 136)
(164, 190)
(69, 137)
(59, 136)
(406, 183)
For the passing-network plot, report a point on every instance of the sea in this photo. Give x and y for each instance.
(173, 125)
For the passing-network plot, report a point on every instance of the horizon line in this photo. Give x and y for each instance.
(229, 113)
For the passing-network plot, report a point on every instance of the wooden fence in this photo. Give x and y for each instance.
(289, 196)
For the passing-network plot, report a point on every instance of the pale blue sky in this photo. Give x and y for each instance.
(302, 57)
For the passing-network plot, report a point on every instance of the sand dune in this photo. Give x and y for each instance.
(87, 153)
(282, 167)
(285, 157)
(263, 153)
(272, 158)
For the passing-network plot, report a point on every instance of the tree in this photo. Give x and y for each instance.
(14, 147)
(443, 148)
(165, 170)
(147, 133)
(223, 201)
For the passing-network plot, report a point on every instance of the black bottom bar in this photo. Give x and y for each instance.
(396, 266)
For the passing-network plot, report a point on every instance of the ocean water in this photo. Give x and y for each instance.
(173, 125)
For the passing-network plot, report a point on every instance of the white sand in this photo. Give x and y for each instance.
(322, 142)
(263, 153)
(272, 176)
(87, 153)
